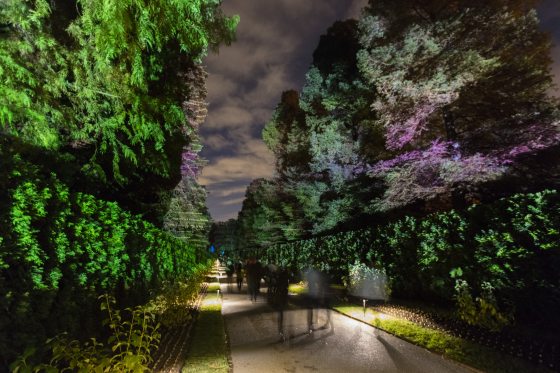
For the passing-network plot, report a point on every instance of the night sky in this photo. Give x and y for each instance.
(275, 42)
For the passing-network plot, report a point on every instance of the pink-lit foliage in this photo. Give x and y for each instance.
(190, 164)
(403, 132)
(423, 174)
(402, 126)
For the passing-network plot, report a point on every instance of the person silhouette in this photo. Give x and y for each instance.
(277, 296)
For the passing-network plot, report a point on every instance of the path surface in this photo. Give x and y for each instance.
(347, 346)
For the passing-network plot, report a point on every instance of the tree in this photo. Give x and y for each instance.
(329, 128)
(223, 235)
(265, 219)
(187, 216)
(461, 92)
(107, 82)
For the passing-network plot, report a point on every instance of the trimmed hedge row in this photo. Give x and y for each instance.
(512, 245)
(60, 250)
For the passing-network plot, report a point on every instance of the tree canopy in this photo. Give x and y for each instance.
(417, 106)
(106, 81)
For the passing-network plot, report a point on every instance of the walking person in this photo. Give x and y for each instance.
(253, 273)
(318, 296)
(238, 267)
(277, 296)
(229, 274)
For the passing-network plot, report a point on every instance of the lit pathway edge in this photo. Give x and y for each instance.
(345, 344)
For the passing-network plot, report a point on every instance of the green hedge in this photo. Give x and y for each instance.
(512, 244)
(60, 250)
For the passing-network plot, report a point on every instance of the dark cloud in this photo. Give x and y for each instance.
(275, 42)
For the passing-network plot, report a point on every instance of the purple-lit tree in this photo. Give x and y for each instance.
(461, 91)
(187, 216)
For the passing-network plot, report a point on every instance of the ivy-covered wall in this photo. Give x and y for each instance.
(512, 245)
(60, 250)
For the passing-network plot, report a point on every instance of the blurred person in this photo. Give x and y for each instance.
(277, 296)
(318, 296)
(253, 270)
(229, 274)
(238, 267)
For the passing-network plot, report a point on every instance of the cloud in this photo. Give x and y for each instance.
(231, 191)
(229, 116)
(356, 9)
(232, 202)
(237, 168)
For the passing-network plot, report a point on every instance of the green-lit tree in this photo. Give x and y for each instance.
(264, 219)
(108, 83)
(331, 126)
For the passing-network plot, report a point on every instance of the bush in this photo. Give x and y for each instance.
(60, 250)
(511, 246)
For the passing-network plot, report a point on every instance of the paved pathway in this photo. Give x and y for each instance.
(347, 346)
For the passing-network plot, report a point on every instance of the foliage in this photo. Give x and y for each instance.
(510, 246)
(319, 136)
(367, 282)
(134, 334)
(60, 250)
(128, 349)
(187, 217)
(481, 311)
(262, 221)
(475, 75)
(93, 78)
(224, 238)
(175, 302)
(415, 108)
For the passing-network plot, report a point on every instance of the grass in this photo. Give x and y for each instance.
(455, 348)
(297, 289)
(213, 287)
(208, 351)
(300, 288)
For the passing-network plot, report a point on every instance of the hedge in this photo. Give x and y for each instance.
(60, 250)
(513, 245)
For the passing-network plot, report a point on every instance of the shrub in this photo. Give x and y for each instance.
(60, 250)
(511, 246)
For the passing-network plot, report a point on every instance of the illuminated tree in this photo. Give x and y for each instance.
(107, 82)
(461, 91)
(318, 138)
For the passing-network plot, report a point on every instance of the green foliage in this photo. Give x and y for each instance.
(187, 217)
(93, 78)
(508, 252)
(134, 335)
(174, 303)
(263, 220)
(483, 310)
(413, 105)
(61, 249)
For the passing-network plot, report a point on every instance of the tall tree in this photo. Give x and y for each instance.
(461, 91)
(223, 235)
(107, 82)
(330, 123)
